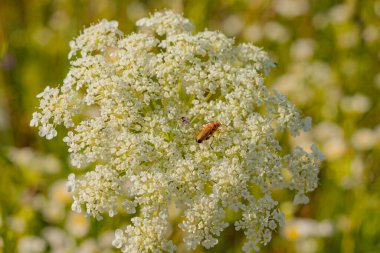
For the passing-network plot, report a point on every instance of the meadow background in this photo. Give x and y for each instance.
(328, 64)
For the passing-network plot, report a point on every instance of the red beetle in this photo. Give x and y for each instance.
(207, 131)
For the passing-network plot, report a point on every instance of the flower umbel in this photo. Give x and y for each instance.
(124, 101)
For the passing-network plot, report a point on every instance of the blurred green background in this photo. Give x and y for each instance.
(328, 56)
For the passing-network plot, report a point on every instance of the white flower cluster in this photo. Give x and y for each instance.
(133, 106)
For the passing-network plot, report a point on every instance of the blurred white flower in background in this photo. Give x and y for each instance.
(356, 176)
(253, 32)
(339, 13)
(16, 224)
(358, 103)
(88, 246)
(320, 21)
(303, 81)
(302, 49)
(331, 137)
(59, 20)
(277, 32)
(58, 239)
(233, 25)
(77, 224)
(364, 139)
(291, 8)
(301, 228)
(105, 240)
(307, 245)
(371, 34)
(58, 192)
(31, 244)
(31, 160)
(305, 232)
(52, 211)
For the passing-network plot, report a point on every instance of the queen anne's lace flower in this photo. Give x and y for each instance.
(123, 100)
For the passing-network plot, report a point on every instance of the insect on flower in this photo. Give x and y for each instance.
(185, 120)
(207, 131)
